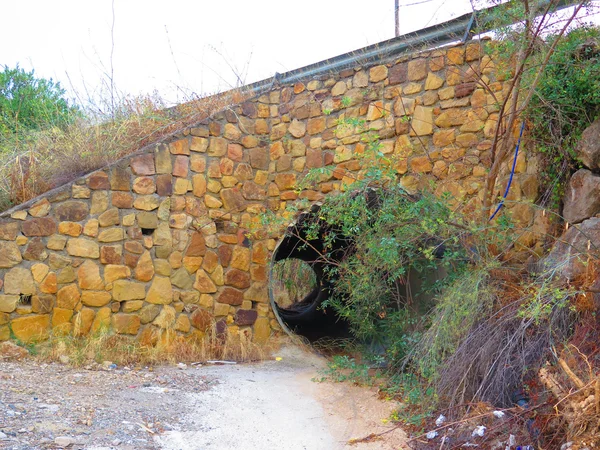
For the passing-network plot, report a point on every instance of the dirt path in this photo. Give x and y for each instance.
(271, 405)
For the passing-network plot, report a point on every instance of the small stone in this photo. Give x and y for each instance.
(10, 254)
(40, 226)
(98, 181)
(31, 328)
(180, 147)
(40, 208)
(143, 165)
(144, 185)
(19, 281)
(147, 202)
(111, 235)
(128, 290)
(377, 73)
(70, 228)
(99, 203)
(160, 292)
(203, 283)
(72, 211)
(95, 298)
(126, 323)
(422, 121)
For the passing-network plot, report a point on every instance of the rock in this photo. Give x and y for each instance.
(111, 235)
(245, 317)
(88, 276)
(217, 147)
(114, 272)
(50, 284)
(233, 200)
(180, 147)
(237, 278)
(422, 121)
(83, 321)
(163, 159)
(183, 323)
(95, 298)
(10, 351)
(123, 200)
(262, 330)
(240, 258)
(9, 231)
(582, 198)
(166, 318)
(203, 283)
(111, 254)
(197, 246)
(40, 208)
(201, 319)
(143, 165)
(119, 179)
(99, 202)
(160, 292)
(231, 296)
(588, 148)
(42, 303)
(39, 226)
(82, 247)
(9, 254)
(417, 69)
(146, 202)
(64, 441)
(68, 297)
(70, 228)
(144, 271)
(570, 255)
(377, 73)
(19, 281)
(71, 211)
(144, 185)
(148, 313)
(126, 323)
(109, 218)
(182, 279)
(35, 250)
(31, 328)
(128, 290)
(8, 303)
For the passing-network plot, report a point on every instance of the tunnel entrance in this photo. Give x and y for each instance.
(299, 280)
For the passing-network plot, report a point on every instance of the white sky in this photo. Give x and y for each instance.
(182, 46)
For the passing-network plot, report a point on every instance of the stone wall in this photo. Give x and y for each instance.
(158, 240)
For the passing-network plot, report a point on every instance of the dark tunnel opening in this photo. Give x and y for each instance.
(299, 282)
(300, 279)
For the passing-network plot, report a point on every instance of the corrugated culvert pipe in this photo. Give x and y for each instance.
(299, 282)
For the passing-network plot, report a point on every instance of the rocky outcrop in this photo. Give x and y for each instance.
(582, 197)
(572, 253)
(588, 148)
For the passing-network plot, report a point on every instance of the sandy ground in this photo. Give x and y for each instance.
(269, 405)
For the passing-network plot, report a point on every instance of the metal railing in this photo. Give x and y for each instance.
(459, 29)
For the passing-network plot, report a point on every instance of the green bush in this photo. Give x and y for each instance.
(29, 103)
(567, 100)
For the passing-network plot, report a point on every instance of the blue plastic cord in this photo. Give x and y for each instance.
(512, 173)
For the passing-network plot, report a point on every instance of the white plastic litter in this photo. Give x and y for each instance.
(440, 420)
(431, 435)
(499, 414)
(511, 443)
(479, 431)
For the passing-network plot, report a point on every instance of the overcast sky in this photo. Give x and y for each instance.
(203, 46)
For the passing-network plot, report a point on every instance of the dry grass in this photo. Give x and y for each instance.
(166, 347)
(36, 162)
